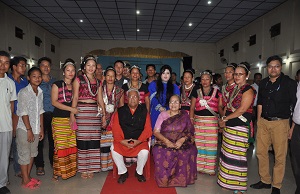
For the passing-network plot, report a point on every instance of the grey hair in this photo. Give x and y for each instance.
(177, 97)
(133, 89)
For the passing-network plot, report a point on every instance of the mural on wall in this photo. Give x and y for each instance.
(141, 56)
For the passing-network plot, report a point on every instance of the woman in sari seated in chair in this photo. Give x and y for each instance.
(174, 152)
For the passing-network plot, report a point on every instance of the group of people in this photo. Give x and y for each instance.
(95, 120)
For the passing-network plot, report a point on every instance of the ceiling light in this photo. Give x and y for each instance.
(208, 2)
(258, 64)
(137, 12)
(81, 21)
(190, 24)
(138, 30)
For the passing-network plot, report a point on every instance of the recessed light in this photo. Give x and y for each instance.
(208, 2)
(190, 24)
(138, 30)
(81, 21)
(137, 12)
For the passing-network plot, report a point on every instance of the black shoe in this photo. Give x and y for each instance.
(275, 190)
(260, 185)
(140, 178)
(4, 190)
(123, 178)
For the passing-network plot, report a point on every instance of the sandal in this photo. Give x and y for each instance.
(30, 185)
(40, 171)
(90, 175)
(37, 181)
(55, 178)
(84, 175)
(238, 192)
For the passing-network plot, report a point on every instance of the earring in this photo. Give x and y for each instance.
(63, 73)
(247, 78)
(211, 83)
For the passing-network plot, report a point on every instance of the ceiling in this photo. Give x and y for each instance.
(159, 20)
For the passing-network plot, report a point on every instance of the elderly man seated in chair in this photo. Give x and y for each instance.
(131, 129)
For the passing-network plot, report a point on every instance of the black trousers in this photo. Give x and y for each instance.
(295, 150)
(39, 159)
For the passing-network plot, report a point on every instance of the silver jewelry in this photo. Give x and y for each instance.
(109, 107)
(64, 94)
(187, 88)
(89, 86)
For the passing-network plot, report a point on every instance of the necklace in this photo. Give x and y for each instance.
(64, 93)
(187, 88)
(89, 86)
(185, 95)
(206, 94)
(132, 86)
(105, 95)
(175, 113)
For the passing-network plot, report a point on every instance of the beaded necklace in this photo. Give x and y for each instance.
(89, 85)
(64, 93)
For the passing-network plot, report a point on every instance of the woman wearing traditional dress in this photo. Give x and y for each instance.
(135, 82)
(87, 97)
(174, 151)
(161, 92)
(233, 155)
(186, 89)
(65, 150)
(228, 87)
(204, 113)
(113, 99)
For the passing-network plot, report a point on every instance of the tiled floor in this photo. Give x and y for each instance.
(205, 184)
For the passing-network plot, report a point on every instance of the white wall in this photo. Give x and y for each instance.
(26, 46)
(287, 44)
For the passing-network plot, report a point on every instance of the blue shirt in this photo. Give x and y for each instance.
(23, 83)
(46, 87)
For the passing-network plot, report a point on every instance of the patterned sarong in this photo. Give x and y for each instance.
(233, 158)
(206, 139)
(105, 143)
(65, 154)
(88, 138)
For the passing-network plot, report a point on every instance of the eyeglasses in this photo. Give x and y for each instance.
(273, 67)
(239, 74)
(174, 102)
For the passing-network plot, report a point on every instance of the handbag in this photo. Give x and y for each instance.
(74, 126)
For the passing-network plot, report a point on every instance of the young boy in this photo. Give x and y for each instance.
(7, 98)
(18, 69)
(30, 126)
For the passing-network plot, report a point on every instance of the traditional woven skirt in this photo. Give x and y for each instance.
(88, 138)
(206, 139)
(233, 158)
(65, 154)
(105, 143)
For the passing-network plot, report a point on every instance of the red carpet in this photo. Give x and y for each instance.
(132, 186)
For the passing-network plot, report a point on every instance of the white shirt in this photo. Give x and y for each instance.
(255, 86)
(7, 95)
(32, 105)
(296, 115)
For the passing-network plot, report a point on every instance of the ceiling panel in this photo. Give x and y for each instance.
(165, 20)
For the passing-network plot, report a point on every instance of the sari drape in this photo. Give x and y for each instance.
(176, 167)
